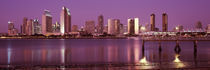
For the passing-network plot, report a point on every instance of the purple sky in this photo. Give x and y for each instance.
(183, 12)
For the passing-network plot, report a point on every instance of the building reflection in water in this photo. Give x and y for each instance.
(178, 63)
(136, 50)
(9, 52)
(63, 55)
(143, 59)
(195, 52)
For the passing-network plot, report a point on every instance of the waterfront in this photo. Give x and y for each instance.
(101, 54)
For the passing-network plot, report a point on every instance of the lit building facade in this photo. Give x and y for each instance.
(29, 27)
(56, 27)
(75, 28)
(36, 27)
(121, 29)
(165, 22)
(11, 29)
(208, 28)
(23, 26)
(100, 26)
(65, 21)
(90, 27)
(136, 26)
(105, 29)
(131, 29)
(116, 26)
(152, 22)
(111, 27)
(46, 22)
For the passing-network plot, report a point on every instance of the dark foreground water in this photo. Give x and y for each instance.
(97, 54)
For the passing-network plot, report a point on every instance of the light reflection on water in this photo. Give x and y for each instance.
(97, 51)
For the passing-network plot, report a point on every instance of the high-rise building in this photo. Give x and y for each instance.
(10, 25)
(23, 26)
(136, 25)
(90, 27)
(65, 21)
(110, 26)
(46, 22)
(116, 26)
(165, 22)
(11, 29)
(100, 24)
(198, 25)
(75, 28)
(105, 29)
(56, 27)
(29, 27)
(208, 28)
(121, 29)
(36, 27)
(131, 27)
(113, 26)
(152, 22)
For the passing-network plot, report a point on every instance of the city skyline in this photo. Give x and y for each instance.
(196, 11)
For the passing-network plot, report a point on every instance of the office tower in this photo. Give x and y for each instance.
(111, 27)
(11, 29)
(75, 28)
(23, 26)
(208, 28)
(29, 27)
(136, 25)
(121, 29)
(131, 29)
(36, 27)
(116, 26)
(56, 27)
(100, 24)
(65, 21)
(90, 27)
(10, 25)
(165, 22)
(125, 29)
(105, 29)
(152, 22)
(46, 22)
(198, 25)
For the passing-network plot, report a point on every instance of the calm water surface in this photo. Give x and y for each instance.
(104, 53)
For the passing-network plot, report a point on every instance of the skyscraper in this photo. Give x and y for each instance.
(165, 22)
(208, 28)
(110, 26)
(136, 25)
(100, 24)
(46, 22)
(29, 27)
(10, 25)
(121, 29)
(152, 22)
(23, 26)
(116, 26)
(36, 27)
(56, 27)
(90, 27)
(65, 21)
(11, 29)
(131, 29)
